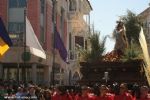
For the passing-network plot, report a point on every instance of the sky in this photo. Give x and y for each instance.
(106, 12)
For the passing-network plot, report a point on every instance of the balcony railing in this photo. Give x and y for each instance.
(17, 39)
(72, 55)
(75, 55)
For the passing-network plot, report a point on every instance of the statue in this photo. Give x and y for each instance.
(121, 42)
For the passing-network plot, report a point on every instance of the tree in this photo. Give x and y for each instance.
(132, 53)
(97, 49)
(132, 24)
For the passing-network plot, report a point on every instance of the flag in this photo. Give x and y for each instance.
(32, 41)
(143, 44)
(59, 45)
(5, 41)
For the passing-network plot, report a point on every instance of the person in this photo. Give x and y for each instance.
(3, 92)
(104, 95)
(123, 93)
(19, 93)
(47, 94)
(85, 94)
(144, 93)
(31, 95)
(56, 94)
(119, 34)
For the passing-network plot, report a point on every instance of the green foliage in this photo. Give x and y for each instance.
(133, 52)
(97, 49)
(132, 24)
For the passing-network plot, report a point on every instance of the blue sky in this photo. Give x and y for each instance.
(106, 12)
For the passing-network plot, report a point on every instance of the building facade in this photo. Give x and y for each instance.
(78, 34)
(145, 18)
(44, 15)
(14, 65)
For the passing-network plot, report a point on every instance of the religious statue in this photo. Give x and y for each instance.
(121, 42)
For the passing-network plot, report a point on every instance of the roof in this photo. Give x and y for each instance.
(89, 4)
(146, 10)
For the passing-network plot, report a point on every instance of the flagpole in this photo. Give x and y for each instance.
(24, 60)
(18, 64)
(54, 28)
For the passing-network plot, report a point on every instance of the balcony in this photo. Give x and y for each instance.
(73, 55)
(59, 76)
(17, 39)
(79, 25)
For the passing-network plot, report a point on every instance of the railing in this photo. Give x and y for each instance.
(75, 55)
(72, 55)
(17, 39)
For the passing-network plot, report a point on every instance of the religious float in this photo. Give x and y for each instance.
(112, 69)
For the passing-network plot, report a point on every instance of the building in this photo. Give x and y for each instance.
(78, 34)
(145, 18)
(68, 15)
(76, 21)
(61, 20)
(13, 64)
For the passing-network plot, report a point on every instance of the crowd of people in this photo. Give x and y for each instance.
(11, 90)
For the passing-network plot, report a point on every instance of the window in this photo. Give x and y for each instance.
(42, 35)
(21, 3)
(85, 44)
(17, 3)
(57, 68)
(76, 76)
(70, 41)
(71, 53)
(16, 27)
(16, 31)
(73, 5)
(56, 81)
(42, 39)
(42, 6)
(40, 75)
(62, 70)
(79, 40)
(12, 3)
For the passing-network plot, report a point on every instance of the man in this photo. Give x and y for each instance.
(3, 92)
(85, 94)
(123, 95)
(31, 95)
(104, 95)
(19, 93)
(144, 93)
(56, 95)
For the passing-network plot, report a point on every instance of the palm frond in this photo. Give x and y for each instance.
(131, 53)
(97, 48)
